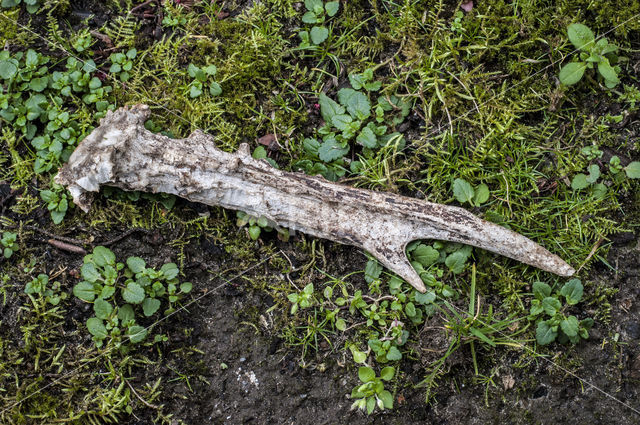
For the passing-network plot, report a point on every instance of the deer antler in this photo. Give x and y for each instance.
(122, 153)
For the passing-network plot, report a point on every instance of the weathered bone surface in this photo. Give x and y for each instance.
(122, 153)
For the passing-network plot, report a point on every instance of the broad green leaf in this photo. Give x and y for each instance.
(57, 216)
(186, 287)
(572, 72)
(358, 356)
(426, 298)
(89, 272)
(103, 256)
(607, 71)
(594, 173)
(570, 326)
(580, 36)
(462, 190)
(456, 261)
(332, 7)
(371, 405)
(341, 121)
(85, 291)
(169, 270)
(330, 150)
(551, 305)
(425, 255)
(579, 182)
(572, 291)
(357, 103)
(633, 170)
(136, 264)
(102, 308)
(150, 306)
(136, 334)
(8, 69)
(329, 107)
(367, 138)
(96, 328)
(481, 194)
(372, 271)
(309, 18)
(394, 354)
(126, 314)
(387, 399)
(366, 374)
(545, 334)
(541, 290)
(318, 34)
(312, 4)
(215, 89)
(341, 325)
(133, 293)
(387, 373)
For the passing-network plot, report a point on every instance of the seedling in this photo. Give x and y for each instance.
(9, 244)
(118, 293)
(549, 313)
(465, 193)
(122, 63)
(201, 80)
(304, 299)
(315, 15)
(58, 202)
(32, 6)
(593, 53)
(371, 393)
(352, 120)
(39, 286)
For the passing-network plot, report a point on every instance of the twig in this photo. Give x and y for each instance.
(67, 247)
(54, 236)
(592, 253)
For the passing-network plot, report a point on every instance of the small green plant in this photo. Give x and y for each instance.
(353, 120)
(121, 295)
(549, 313)
(58, 202)
(9, 244)
(316, 14)
(32, 6)
(304, 299)
(40, 286)
(43, 107)
(465, 193)
(582, 181)
(201, 78)
(122, 63)
(371, 393)
(598, 54)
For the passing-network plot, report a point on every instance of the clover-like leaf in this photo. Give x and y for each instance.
(103, 256)
(332, 7)
(329, 107)
(551, 305)
(89, 272)
(331, 149)
(367, 138)
(541, 290)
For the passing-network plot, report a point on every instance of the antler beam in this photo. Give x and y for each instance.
(122, 153)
